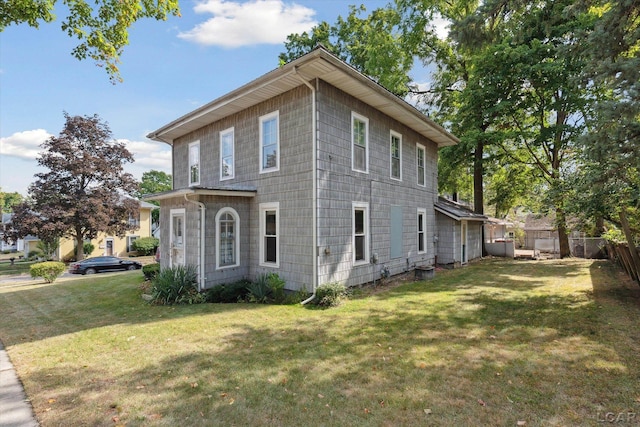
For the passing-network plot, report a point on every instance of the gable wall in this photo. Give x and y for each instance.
(291, 186)
(339, 186)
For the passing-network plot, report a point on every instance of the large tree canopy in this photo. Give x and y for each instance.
(85, 190)
(101, 26)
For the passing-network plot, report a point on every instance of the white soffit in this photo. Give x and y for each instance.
(316, 64)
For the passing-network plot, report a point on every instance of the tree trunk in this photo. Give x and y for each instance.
(629, 235)
(79, 248)
(478, 189)
(599, 226)
(478, 172)
(563, 237)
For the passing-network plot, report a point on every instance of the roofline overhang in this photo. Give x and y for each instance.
(459, 218)
(331, 69)
(219, 192)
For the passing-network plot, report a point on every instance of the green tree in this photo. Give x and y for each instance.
(9, 200)
(154, 182)
(85, 190)
(372, 44)
(101, 26)
(528, 82)
(608, 183)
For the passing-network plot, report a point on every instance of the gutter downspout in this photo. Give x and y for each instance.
(202, 208)
(314, 179)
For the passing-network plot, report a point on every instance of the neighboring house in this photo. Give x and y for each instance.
(105, 244)
(4, 227)
(496, 229)
(459, 233)
(312, 171)
(540, 233)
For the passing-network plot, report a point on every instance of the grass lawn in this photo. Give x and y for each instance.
(497, 343)
(18, 267)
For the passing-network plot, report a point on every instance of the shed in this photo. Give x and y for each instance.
(459, 236)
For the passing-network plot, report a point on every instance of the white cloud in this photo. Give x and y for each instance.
(148, 155)
(24, 145)
(236, 24)
(441, 26)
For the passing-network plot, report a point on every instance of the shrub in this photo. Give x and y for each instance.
(34, 255)
(146, 245)
(176, 285)
(87, 248)
(259, 290)
(330, 294)
(49, 270)
(228, 292)
(150, 271)
(48, 247)
(267, 288)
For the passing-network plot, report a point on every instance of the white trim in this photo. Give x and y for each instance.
(264, 207)
(224, 133)
(236, 217)
(191, 145)
(356, 116)
(420, 147)
(128, 243)
(267, 117)
(173, 213)
(424, 231)
(363, 206)
(106, 246)
(395, 134)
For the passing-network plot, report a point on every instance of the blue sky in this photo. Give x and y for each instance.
(169, 68)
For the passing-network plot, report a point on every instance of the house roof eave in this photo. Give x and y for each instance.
(202, 191)
(321, 64)
(458, 213)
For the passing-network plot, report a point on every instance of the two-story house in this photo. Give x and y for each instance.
(312, 171)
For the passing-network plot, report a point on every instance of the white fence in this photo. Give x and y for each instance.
(582, 247)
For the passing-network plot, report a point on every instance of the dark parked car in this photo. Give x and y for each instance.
(103, 263)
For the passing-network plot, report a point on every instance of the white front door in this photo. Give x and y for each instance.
(177, 233)
(108, 250)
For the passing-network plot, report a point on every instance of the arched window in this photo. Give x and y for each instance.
(227, 238)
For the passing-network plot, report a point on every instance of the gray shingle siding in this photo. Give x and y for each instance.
(339, 186)
(292, 187)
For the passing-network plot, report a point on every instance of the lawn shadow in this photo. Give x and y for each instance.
(492, 354)
(41, 310)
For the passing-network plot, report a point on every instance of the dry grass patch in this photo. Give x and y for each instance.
(548, 343)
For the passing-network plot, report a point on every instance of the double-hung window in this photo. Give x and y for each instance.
(360, 233)
(226, 154)
(130, 240)
(269, 232)
(269, 142)
(422, 230)
(420, 161)
(194, 163)
(396, 156)
(228, 233)
(359, 143)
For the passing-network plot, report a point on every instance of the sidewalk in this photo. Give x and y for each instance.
(15, 409)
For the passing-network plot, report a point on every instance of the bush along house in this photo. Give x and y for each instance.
(312, 171)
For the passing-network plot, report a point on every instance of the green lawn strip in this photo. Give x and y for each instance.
(549, 343)
(18, 267)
